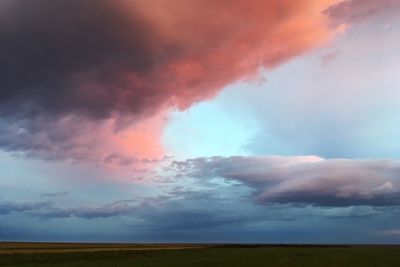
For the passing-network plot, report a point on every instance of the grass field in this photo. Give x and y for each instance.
(124, 255)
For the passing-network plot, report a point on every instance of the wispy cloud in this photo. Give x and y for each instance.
(327, 58)
(392, 232)
(55, 194)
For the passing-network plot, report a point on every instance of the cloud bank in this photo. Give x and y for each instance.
(305, 179)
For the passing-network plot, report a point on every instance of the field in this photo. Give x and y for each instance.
(179, 255)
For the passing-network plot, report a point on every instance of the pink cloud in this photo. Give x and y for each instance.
(131, 60)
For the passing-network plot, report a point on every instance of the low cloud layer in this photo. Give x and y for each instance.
(207, 214)
(306, 179)
(7, 207)
(50, 210)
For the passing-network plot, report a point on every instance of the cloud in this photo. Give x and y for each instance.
(135, 56)
(221, 211)
(50, 210)
(7, 207)
(105, 211)
(127, 61)
(355, 11)
(56, 194)
(73, 137)
(392, 232)
(329, 57)
(305, 179)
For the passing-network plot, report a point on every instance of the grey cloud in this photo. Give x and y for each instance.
(50, 210)
(66, 64)
(114, 209)
(65, 56)
(186, 216)
(307, 180)
(70, 137)
(55, 194)
(7, 207)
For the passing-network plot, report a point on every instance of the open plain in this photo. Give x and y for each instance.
(193, 255)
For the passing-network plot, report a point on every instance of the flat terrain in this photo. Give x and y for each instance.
(176, 255)
(30, 248)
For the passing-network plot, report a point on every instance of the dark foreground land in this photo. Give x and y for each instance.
(167, 255)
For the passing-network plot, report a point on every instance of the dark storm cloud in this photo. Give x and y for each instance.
(306, 180)
(66, 65)
(71, 56)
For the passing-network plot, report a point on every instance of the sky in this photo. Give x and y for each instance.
(262, 121)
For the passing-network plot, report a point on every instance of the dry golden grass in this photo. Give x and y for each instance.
(28, 248)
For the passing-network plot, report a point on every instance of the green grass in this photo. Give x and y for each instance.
(214, 256)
